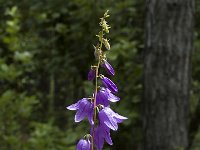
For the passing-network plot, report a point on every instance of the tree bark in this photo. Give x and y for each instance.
(168, 47)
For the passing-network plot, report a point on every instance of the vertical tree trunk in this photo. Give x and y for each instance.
(169, 36)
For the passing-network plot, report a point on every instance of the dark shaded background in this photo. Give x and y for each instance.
(46, 51)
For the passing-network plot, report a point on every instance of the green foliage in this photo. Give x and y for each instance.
(45, 136)
(15, 115)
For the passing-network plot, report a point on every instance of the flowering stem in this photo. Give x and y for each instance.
(96, 86)
(101, 116)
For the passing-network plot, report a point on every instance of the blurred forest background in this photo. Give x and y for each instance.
(45, 53)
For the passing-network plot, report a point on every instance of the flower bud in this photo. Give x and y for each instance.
(108, 67)
(106, 44)
(91, 74)
(109, 84)
(106, 14)
(83, 145)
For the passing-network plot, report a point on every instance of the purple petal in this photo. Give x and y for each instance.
(90, 114)
(76, 105)
(119, 118)
(109, 110)
(115, 115)
(108, 138)
(91, 74)
(109, 68)
(87, 147)
(102, 98)
(80, 115)
(98, 139)
(83, 110)
(73, 106)
(80, 144)
(106, 134)
(109, 84)
(112, 97)
(83, 145)
(106, 118)
(102, 132)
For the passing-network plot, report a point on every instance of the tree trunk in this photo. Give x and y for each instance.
(169, 38)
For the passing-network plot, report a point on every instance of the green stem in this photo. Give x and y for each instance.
(96, 87)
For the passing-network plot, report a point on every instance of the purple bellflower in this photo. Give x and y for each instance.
(101, 134)
(84, 109)
(83, 145)
(109, 118)
(91, 74)
(104, 97)
(108, 67)
(109, 84)
(97, 109)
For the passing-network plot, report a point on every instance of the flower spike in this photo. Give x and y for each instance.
(97, 108)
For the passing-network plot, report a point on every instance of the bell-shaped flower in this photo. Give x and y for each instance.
(104, 97)
(108, 67)
(102, 134)
(109, 84)
(110, 118)
(91, 74)
(84, 109)
(83, 144)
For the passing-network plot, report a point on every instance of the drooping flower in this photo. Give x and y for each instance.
(108, 67)
(102, 134)
(104, 97)
(110, 118)
(83, 144)
(109, 84)
(91, 74)
(84, 109)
